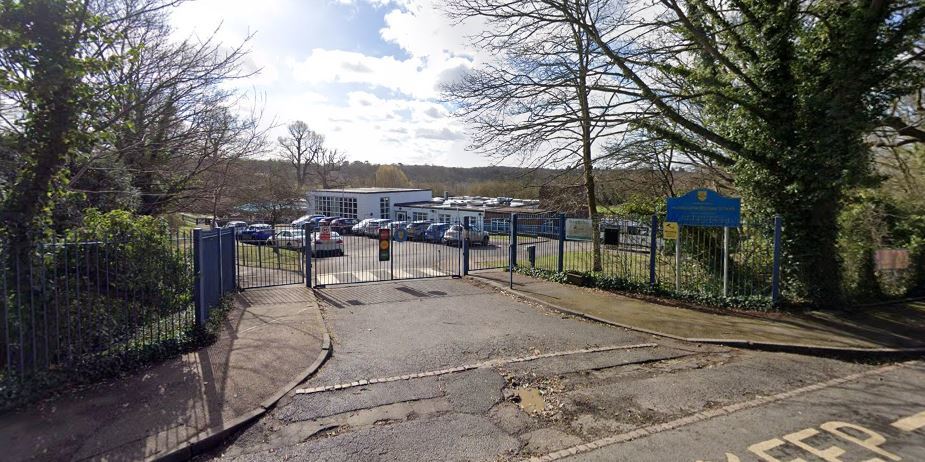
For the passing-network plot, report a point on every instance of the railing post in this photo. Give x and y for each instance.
(560, 263)
(653, 248)
(725, 261)
(307, 251)
(221, 263)
(234, 258)
(775, 268)
(465, 246)
(677, 261)
(513, 240)
(199, 286)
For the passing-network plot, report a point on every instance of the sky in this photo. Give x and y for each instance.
(364, 73)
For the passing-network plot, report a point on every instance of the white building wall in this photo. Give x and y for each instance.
(368, 203)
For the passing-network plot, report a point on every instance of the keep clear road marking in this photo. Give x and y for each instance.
(857, 435)
(911, 423)
(871, 440)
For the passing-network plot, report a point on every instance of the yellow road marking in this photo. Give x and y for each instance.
(911, 423)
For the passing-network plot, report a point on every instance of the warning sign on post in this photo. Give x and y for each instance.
(325, 233)
(385, 249)
(671, 230)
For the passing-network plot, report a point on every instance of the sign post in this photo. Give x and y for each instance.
(325, 232)
(704, 208)
(385, 244)
(677, 262)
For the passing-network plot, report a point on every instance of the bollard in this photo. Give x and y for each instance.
(531, 255)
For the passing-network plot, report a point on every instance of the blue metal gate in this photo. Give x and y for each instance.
(214, 267)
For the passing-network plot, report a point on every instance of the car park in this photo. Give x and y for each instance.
(453, 236)
(290, 239)
(416, 230)
(434, 232)
(334, 245)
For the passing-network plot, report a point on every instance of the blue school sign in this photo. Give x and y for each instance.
(705, 207)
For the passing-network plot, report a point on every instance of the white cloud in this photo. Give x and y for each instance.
(335, 90)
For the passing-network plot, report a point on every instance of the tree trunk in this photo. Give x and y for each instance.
(813, 266)
(586, 142)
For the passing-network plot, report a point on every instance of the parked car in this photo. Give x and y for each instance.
(237, 225)
(256, 232)
(343, 225)
(434, 232)
(332, 246)
(372, 228)
(298, 222)
(416, 230)
(360, 228)
(453, 236)
(290, 239)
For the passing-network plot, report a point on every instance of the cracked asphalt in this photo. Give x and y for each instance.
(668, 401)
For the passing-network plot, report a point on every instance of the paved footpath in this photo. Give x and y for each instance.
(269, 339)
(898, 327)
(452, 370)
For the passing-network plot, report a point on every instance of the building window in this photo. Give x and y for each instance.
(324, 205)
(331, 206)
(418, 216)
(400, 216)
(384, 209)
(347, 207)
(444, 218)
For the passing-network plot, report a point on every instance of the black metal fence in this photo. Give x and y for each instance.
(81, 305)
(723, 262)
(270, 256)
(353, 255)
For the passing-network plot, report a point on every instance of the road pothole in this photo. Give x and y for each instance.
(530, 400)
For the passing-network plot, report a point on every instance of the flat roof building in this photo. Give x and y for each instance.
(363, 203)
(478, 209)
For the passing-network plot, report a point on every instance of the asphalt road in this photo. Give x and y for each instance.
(443, 369)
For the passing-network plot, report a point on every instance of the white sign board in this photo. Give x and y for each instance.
(578, 229)
(325, 232)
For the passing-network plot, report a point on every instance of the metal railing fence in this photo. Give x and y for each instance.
(731, 262)
(69, 304)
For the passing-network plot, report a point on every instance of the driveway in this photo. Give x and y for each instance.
(446, 369)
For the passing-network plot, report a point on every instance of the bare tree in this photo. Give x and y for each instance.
(327, 166)
(538, 101)
(302, 147)
(171, 122)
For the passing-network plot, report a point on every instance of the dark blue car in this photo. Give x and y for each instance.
(416, 230)
(434, 232)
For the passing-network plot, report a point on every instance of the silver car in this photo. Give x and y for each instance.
(327, 247)
(372, 228)
(453, 236)
(290, 239)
